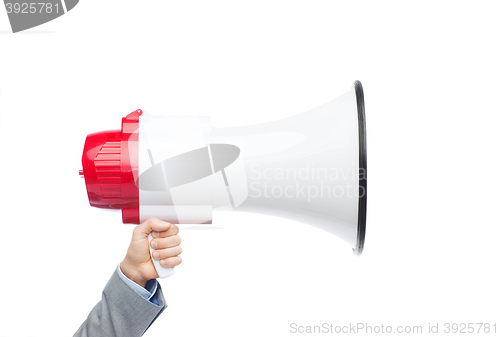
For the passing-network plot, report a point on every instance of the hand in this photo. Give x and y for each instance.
(137, 264)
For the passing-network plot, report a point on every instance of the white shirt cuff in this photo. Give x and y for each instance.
(147, 292)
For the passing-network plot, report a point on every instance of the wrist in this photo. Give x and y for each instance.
(132, 273)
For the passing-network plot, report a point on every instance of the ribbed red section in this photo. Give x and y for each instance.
(107, 166)
(101, 165)
(110, 168)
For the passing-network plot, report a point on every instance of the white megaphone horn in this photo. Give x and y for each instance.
(310, 167)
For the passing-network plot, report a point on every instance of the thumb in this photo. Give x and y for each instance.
(152, 225)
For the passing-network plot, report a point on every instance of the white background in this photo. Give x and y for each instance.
(430, 71)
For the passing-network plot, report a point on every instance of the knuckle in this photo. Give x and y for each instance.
(171, 241)
(174, 251)
(168, 262)
(153, 221)
(172, 261)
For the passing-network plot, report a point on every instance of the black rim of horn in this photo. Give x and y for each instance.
(360, 102)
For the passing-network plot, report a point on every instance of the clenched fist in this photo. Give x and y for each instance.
(137, 264)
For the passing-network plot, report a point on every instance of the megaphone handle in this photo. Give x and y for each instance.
(163, 272)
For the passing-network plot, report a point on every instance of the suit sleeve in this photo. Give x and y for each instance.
(121, 312)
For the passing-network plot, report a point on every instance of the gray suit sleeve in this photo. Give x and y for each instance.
(121, 312)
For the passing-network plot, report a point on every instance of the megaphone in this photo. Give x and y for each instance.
(310, 168)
